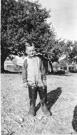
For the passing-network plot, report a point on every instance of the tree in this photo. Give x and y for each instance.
(73, 52)
(7, 9)
(56, 50)
(24, 21)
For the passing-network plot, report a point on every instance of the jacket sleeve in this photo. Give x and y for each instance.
(24, 71)
(43, 71)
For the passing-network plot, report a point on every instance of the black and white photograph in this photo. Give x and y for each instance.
(38, 67)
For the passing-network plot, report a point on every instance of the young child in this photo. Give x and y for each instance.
(33, 75)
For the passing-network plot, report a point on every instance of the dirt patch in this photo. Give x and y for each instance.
(15, 105)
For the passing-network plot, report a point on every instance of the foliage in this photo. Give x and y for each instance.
(57, 50)
(61, 47)
(73, 52)
(7, 9)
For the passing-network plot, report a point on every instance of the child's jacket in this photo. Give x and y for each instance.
(33, 71)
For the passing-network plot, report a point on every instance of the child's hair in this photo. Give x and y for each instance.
(28, 45)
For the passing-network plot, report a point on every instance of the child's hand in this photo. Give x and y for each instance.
(44, 82)
(25, 85)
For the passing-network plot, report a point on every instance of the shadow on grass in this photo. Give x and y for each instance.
(52, 97)
(60, 73)
(74, 121)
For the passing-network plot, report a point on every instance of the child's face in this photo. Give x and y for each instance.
(30, 51)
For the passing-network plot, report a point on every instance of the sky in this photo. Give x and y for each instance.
(63, 17)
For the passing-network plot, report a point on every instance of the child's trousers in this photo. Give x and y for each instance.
(33, 96)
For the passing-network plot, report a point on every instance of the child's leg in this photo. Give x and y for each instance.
(32, 96)
(43, 96)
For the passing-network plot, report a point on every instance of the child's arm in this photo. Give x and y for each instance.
(24, 72)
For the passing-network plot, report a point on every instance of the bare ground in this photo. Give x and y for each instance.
(15, 105)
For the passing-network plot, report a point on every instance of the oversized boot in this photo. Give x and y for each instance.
(32, 97)
(43, 97)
